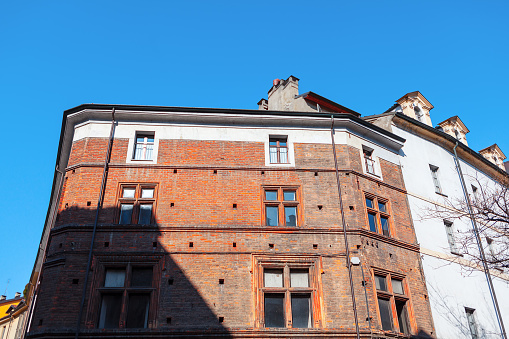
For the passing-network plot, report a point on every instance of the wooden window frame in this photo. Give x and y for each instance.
(287, 262)
(281, 204)
(378, 214)
(393, 298)
(278, 147)
(136, 201)
(101, 264)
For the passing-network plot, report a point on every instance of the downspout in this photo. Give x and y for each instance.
(349, 264)
(479, 245)
(99, 206)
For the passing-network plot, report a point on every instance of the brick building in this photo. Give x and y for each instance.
(228, 223)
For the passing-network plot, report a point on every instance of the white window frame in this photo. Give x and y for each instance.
(472, 322)
(375, 162)
(434, 176)
(131, 148)
(451, 239)
(290, 151)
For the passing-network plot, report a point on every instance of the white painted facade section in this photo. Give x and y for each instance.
(451, 287)
(171, 131)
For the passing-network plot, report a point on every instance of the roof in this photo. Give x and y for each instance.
(5, 305)
(333, 106)
(417, 94)
(493, 147)
(458, 120)
(445, 136)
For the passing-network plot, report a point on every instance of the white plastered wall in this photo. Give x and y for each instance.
(451, 286)
(98, 129)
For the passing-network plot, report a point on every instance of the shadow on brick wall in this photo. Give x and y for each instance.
(135, 288)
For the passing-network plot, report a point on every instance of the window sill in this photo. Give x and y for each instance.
(444, 195)
(145, 160)
(457, 254)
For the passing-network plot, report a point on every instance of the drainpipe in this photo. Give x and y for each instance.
(349, 264)
(99, 206)
(479, 245)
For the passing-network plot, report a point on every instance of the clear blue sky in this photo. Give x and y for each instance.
(55, 55)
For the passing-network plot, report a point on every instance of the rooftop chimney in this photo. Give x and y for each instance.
(3, 297)
(17, 295)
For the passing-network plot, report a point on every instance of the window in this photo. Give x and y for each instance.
(393, 302)
(368, 159)
(378, 215)
(278, 150)
(434, 175)
(472, 324)
(144, 146)
(125, 296)
(449, 228)
(136, 204)
(281, 206)
(287, 292)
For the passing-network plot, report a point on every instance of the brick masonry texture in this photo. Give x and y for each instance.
(196, 205)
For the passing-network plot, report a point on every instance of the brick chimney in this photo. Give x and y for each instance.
(3, 297)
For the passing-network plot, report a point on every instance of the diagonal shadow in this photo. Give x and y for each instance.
(176, 305)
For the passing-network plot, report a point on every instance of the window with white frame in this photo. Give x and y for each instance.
(451, 239)
(278, 149)
(434, 176)
(472, 324)
(369, 162)
(144, 146)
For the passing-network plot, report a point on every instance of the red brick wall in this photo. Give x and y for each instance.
(203, 214)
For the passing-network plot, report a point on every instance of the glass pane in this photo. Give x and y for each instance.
(289, 195)
(369, 202)
(272, 142)
(402, 316)
(381, 283)
(109, 316)
(145, 214)
(142, 277)
(128, 192)
(283, 155)
(301, 315)
(372, 222)
(137, 311)
(385, 314)
(282, 142)
(273, 155)
(126, 213)
(271, 214)
(274, 310)
(299, 278)
(273, 277)
(291, 215)
(150, 139)
(147, 193)
(382, 207)
(149, 150)
(397, 286)
(115, 277)
(270, 195)
(138, 152)
(385, 225)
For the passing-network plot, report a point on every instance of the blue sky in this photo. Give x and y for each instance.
(55, 55)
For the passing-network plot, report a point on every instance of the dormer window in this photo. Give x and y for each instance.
(368, 159)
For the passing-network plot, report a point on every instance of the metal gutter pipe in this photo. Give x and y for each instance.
(479, 245)
(99, 206)
(349, 264)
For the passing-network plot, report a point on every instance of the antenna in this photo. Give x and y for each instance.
(8, 281)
